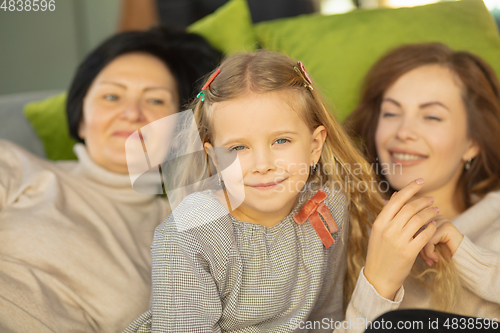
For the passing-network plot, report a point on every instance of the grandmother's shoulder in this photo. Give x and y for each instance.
(21, 159)
(12, 154)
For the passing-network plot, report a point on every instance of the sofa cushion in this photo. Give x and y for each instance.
(338, 50)
(48, 118)
(229, 28)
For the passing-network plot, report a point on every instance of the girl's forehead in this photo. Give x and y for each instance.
(255, 115)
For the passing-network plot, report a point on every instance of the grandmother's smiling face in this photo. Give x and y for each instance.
(133, 90)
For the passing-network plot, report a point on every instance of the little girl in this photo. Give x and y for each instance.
(269, 263)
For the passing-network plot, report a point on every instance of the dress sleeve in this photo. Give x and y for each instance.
(366, 305)
(185, 297)
(479, 269)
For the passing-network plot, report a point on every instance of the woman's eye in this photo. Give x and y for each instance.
(433, 118)
(111, 97)
(282, 141)
(236, 148)
(156, 101)
(388, 114)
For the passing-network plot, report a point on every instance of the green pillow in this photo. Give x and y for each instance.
(229, 28)
(48, 118)
(338, 50)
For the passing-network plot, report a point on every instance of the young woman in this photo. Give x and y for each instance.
(427, 111)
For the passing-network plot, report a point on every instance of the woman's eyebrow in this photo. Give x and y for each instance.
(157, 88)
(425, 105)
(114, 84)
(123, 86)
(387, 99)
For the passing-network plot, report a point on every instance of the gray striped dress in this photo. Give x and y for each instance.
(233, 276)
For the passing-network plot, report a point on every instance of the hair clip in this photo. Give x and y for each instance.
(202, 92)
(302, 72)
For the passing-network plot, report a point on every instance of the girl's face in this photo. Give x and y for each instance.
(133, 90)
(275, 149)
(422, 130)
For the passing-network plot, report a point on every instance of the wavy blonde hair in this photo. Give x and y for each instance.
(264, 72)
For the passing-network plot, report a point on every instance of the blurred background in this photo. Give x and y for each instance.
(39, 51)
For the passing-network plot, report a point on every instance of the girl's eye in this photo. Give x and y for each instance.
(155, 101)
(111, 97)
(433, 118)
(236, 148)
(282, 141)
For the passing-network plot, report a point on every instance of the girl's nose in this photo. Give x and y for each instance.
(263, 160)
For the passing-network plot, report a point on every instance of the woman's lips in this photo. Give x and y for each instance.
(123, 133)
(267, 186)
(406, 158)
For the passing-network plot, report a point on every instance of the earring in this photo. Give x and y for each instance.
(468, 164)
(314, 168)
(220, 182)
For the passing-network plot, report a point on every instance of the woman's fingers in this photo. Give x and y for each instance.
(424, 237)
(418, 220)
(448, 234)
(412, 209)
(399, 199)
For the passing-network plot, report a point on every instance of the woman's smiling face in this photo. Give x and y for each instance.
(422, 130)
(132, 91)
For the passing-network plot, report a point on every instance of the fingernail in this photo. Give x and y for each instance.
(429, 262)
(385, 201)
(435, 260)
(419, 181)
(436, 209)
(431, 199)
(433, 222)
(394, 193)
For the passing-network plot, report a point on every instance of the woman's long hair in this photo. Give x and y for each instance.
(481, 97)
(263, 72)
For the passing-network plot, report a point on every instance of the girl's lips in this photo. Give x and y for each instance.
(267, 186)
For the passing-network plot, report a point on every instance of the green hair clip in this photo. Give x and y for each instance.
(202, 92)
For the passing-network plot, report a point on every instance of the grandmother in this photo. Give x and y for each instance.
(74, 236)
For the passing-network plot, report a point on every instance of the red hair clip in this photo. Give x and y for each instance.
(202, 92)
(302, 72)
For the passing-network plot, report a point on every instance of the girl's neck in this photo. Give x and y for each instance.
(267, 219)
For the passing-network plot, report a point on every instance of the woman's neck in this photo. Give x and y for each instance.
(443, 199)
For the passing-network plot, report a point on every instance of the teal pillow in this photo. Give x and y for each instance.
(48, 118)
(229, 28)
(338, 50)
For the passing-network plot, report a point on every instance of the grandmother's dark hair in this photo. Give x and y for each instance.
(481, 97)
(188, 56)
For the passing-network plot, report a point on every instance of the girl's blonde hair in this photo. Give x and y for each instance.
(264, 72)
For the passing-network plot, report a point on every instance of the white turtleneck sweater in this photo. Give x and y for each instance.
(478, 264)
(74, 245)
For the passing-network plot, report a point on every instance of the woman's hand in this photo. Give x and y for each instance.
(447, 234)
(393, 246)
